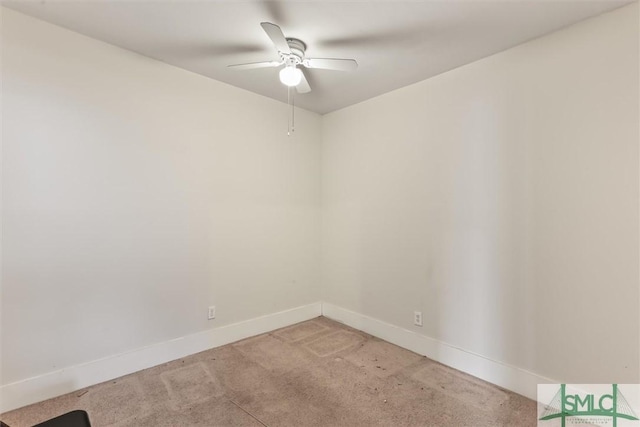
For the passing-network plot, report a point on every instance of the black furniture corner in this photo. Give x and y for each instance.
(70, 419)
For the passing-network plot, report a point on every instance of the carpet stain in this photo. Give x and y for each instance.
(301, 331)
(334, 343)
(457, 385)
(116, 401)
(189, 385)
(273, 353)
(381, 358)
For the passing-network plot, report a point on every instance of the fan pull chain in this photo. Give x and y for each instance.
(291, 118)
(288, 116)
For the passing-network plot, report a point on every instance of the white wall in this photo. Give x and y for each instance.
(501, 200)
(135, 194)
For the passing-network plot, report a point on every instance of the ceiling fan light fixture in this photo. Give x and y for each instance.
(290, 76)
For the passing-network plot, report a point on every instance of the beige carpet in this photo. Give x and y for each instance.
(315, 373)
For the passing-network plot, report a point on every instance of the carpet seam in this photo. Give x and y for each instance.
(248, 413)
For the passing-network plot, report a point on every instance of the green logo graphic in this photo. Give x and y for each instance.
(565, 405)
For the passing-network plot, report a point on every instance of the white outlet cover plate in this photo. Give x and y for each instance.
(417, 318)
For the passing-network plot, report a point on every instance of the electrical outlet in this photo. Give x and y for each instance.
(417, 318)
(212, 312)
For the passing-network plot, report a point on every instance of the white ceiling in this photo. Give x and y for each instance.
(396, 43)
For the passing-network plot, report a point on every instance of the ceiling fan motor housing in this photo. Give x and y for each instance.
(297, 48)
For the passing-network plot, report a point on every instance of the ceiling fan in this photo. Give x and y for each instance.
(292, 56)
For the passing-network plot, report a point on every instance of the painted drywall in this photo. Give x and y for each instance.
(135, 195)
(501, 200)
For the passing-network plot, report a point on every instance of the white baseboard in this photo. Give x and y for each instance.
(52, 384)
(510, 377)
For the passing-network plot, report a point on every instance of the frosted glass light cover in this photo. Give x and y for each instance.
(290, 76)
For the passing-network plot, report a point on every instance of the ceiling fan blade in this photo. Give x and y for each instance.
(331, 64)
(252, 65)
(303, 86)
(277, 37)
